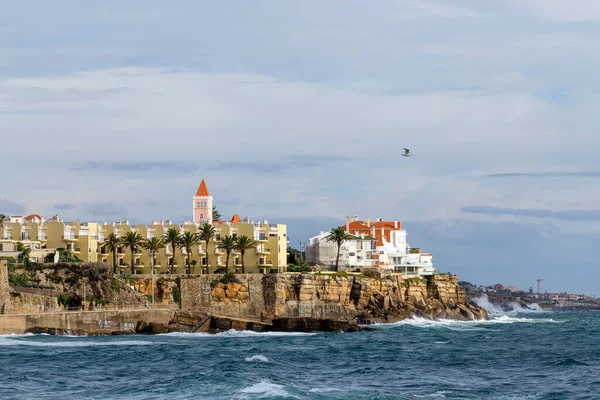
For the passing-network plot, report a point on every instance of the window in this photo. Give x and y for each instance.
(203, 259)
(351, 254)
(201, 217)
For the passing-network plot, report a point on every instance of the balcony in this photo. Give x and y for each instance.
(69, 238)
(262, 250)
(264, 263)
(76, 250)
(261, 238)
(219, 251)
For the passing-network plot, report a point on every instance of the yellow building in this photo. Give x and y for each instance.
(85, 241)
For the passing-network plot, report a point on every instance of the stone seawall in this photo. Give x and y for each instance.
(86, 322)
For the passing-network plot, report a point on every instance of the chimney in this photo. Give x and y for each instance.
(347, 224)
(368, 222)
(356, 217)
(395, 224)
(373, 231)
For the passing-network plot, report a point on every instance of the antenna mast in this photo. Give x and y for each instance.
(538, 282)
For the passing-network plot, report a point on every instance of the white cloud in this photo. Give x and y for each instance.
(559, 10)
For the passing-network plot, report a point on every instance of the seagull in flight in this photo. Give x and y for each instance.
(407, 152)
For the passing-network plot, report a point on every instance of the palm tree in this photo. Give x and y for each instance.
(338, 236)
(227, 243)
(188, 240)
(243, 243)
(133, 240)
(153, 245)
(207, 233)
(112, 243)
(172, 237)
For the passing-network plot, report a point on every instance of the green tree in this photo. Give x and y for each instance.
(216, 214)
(133, 240)
(228, 244)
(172, 237)
(243, 243)
(206, 233)
(112, 243)
(2, 218)
(24, 253)
(188, 240)
(153, 245)
(338, 236)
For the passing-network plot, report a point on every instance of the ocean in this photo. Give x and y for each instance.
(517, 355)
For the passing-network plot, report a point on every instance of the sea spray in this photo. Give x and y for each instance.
(510, 308)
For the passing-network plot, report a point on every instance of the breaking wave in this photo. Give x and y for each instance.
(420, 322)
(265, 389)
(258, 357)
(509, 308)
(234, 333)
(33, 343)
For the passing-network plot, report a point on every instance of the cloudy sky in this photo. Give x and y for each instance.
(297, 112)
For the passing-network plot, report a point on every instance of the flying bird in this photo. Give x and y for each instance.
(407, 152)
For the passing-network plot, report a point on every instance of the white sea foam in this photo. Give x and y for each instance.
(467, 325)
(514, 307)
(440, 394)
(257, 358)
(264, 390)
(234, 333)
(324, 390)
(33, 343)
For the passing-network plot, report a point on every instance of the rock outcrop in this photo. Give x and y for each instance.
(288, 301)
(5, 300)
(328, 297)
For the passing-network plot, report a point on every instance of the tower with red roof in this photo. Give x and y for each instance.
(203, 205)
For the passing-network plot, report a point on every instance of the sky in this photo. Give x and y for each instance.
(297, 112)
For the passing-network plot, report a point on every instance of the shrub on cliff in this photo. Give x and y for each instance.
(225, 279)
(176, 295)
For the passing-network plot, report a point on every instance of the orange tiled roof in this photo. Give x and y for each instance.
(361, 227)
(202, 189)
(33, 216)
(234, 220)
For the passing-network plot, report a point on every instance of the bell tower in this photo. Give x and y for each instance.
(203, 205)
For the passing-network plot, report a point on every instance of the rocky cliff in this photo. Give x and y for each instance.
(268, 297)
(277, 299)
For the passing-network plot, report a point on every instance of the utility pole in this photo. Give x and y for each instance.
(153, 262)
(538, 283)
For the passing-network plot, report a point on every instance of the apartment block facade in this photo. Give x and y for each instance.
(84, 239)
(372, 244)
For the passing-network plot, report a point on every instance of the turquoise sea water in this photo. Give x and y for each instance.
(537, 355)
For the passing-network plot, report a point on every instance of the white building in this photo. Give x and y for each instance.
(380, 244)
